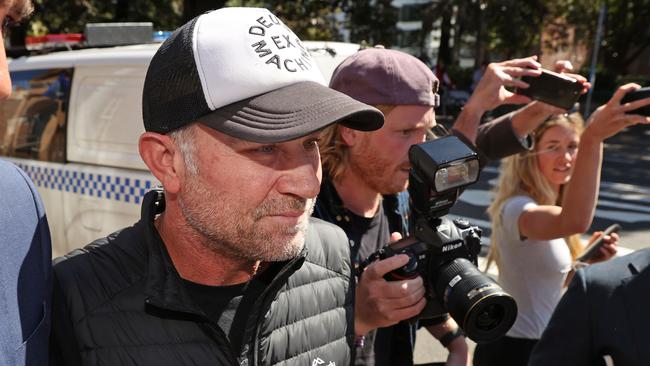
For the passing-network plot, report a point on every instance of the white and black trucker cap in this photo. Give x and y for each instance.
(243, 72)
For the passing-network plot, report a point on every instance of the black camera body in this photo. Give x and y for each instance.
(443, 243)
(445, 252)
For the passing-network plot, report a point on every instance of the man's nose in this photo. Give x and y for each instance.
(301, 180)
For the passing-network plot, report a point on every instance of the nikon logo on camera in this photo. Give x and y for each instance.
(450, 247)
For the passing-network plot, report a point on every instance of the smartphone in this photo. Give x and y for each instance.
(592, 249)
(636, 95)
(552, 88)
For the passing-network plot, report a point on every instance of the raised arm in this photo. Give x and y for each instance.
(576, 212)
(491, 92)
(509, 134)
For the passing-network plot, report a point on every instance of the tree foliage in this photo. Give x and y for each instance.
(70, 16)
(372, 21)
(626, 33)
(505, 28)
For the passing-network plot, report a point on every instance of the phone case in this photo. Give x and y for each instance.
(636, 95)
(552, 88)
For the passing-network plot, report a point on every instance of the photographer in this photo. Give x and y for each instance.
(545, 199)
(365, 172)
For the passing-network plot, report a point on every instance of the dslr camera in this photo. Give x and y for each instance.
(445, 252)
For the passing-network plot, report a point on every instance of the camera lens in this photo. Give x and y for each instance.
(475, 301)
(490, 317)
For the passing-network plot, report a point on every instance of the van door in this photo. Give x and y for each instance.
(105, 123)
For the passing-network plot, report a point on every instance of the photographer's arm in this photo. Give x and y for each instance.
(509, 134)
(453, 339)
(548, 222)
(491, 92)
(526, 119)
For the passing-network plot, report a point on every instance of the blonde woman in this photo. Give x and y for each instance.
(545, 199)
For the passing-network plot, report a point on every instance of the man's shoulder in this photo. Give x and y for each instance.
(14, 181)
(611, 272)
(8, 169)
(110, 263)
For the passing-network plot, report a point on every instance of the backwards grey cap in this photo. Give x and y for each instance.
(242, 72)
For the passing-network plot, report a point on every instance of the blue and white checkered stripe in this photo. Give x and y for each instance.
(101, 185)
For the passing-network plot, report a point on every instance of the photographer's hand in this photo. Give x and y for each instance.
(526, 119)
(381, 303)
(491, 92)
(612, 117)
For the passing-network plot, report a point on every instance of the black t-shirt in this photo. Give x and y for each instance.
(367, 235)
(230, 306)
(384, 346)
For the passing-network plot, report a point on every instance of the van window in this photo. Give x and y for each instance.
(33, 118)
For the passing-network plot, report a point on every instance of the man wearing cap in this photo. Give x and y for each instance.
(225, 267)
(365, 172)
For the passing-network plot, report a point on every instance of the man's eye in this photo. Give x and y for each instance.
(266, 149)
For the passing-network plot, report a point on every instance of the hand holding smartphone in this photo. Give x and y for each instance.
(552, 88)
(636, 95)
(592, 250)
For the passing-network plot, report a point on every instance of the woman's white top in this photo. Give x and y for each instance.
(532, 271)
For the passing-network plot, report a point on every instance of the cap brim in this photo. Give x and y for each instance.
(291, 112)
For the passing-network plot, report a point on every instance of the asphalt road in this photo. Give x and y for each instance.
(624, 199)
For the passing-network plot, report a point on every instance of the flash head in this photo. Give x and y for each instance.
(445, 162)
(440, 168)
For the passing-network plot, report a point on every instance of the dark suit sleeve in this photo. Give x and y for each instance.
(567, 338)
(496, 139)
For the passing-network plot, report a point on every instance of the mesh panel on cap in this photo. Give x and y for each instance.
(172, 95)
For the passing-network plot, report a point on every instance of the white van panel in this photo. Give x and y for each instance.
(86, 202)
(105, 116)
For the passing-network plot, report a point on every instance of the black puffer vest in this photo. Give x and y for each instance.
(126, 305)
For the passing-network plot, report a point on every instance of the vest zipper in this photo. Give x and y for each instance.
(281, 276)
(215, 332)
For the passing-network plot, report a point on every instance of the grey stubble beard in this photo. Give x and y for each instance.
(233, 235)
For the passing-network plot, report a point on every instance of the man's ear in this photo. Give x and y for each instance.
(349, 136)
(163, 158)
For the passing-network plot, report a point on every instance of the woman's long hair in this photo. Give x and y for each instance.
(520, 175)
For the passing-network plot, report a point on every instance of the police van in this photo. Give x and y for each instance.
(73, 122)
